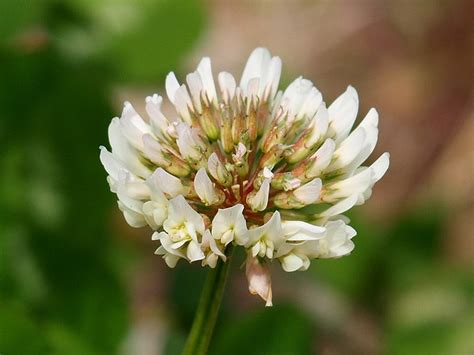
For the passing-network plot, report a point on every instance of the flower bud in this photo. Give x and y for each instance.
(263, 114)
(190, 144)
(252, 124)
(321, 159)
(240, 159)
(285, 181)
(208, 122)
(218, 171)
(258, 200)
(258, 276)
(226, 135)
(299, 150)
(238, 126)
(261, 177)
(304, 195)
(206, 190)
(310, 137)
(275, 137)
(286, 200)
(155, 151)
(178, 167)
(273, 156)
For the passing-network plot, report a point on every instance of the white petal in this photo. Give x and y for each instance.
(159, 215)
(133, 127)
(342, 114)
(122, 149)
(189, 143)
(180, 210)
(205, 71)
(156, 210)
(132, 211)
(320, 124)
(194, 251)
(111, 164)
(350, 232)
(301, 231)
(171, 260)
(195, 88)
(255, 249)
(167, 245)
(183, 103)
(240, 152)
(179, 244)
(167, 183)
(273, 78)
(259, 201)
(158, 120)
(211, 260)
(156, 193)
(371, 119)
(340, 207)
(264, 71)
(267, 173)
(255, 67)
(355, 184)
(132, 187)
(338, 240)
(153, 150)
(369, 123)
(252, 89)
(291, 263)
(272, 230)
(227, 85)
(217, 169)
(209, 241)
(322, 157)
(348, 150)
(295, 95)
(277, 104)
(172, 85)
(205, 188)
(213, 164)
(380, 166)
(130, 203)
(311, 103)
(134, 219)
(230, 219)
(148, 213)
(310, 192)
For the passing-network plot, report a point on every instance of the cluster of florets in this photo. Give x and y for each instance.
(270, 171)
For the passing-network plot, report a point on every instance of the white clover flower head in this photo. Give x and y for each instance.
(236, 164)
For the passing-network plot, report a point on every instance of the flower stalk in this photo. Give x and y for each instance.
(208, 308)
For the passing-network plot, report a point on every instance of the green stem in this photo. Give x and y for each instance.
(208, 308)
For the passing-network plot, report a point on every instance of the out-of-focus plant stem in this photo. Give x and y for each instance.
(208, 308)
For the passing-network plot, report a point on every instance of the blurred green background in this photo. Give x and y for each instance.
(75, 279)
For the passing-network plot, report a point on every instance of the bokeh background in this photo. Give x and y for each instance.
(75, 279)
